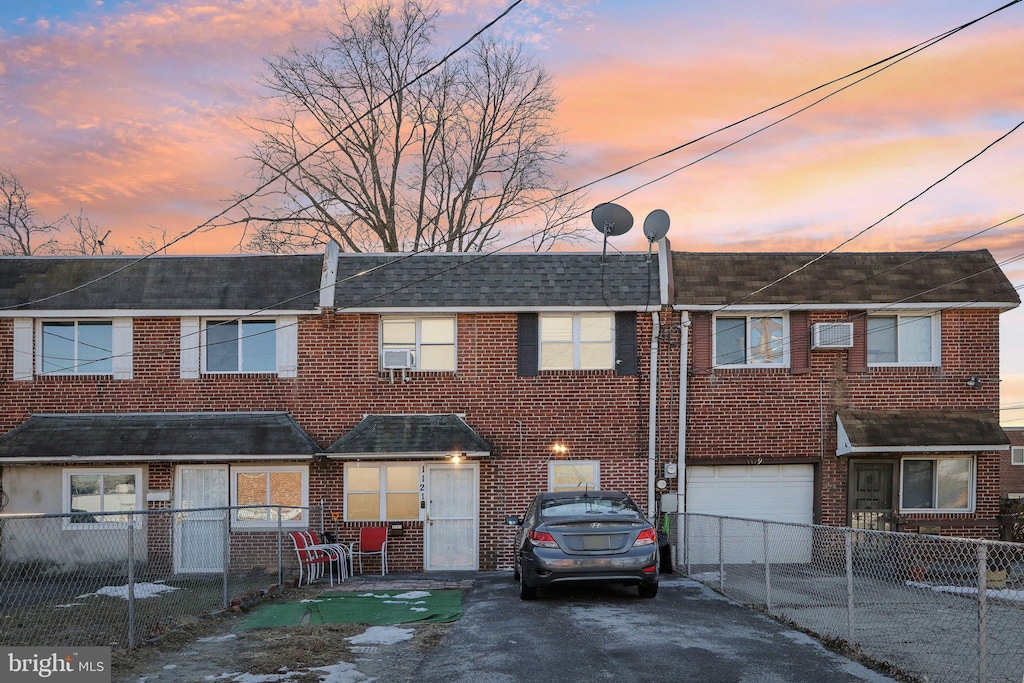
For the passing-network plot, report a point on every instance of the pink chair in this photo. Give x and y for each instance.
(373, 540)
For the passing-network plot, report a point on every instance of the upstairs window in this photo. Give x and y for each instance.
(750, 340)
(77, 347)
(240, 346)
(583, 341)
(903, 340)
(429, 344)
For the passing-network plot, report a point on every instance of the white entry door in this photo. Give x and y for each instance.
(199, 535)
(453, 517)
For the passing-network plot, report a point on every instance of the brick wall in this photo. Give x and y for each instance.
(1011, 477)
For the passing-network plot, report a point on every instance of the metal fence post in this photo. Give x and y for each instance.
(848, 533)
(227, 556)
(131, 582)
(982, 620)
(687, 523)
(721, 555)
(767, 571)
(280, 557)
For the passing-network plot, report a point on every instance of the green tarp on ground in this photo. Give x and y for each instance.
(378, 608)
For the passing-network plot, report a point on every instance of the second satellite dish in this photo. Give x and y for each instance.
(656, 225)
(611, 219)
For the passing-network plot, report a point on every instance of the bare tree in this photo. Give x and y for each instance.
(81, 237)
(21, 232)
(366, 154)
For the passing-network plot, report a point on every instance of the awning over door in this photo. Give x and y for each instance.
(112, 437)
(877, 431)
(409, 436)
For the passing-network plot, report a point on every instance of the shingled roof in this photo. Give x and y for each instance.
(161, 283)
(435, 436)
(516, 281)
(877, 431)
(844, 279)
(166, 436)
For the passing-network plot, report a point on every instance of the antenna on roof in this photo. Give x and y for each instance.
(655, 227)
(610, 220)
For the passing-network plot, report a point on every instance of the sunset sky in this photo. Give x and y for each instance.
(137, 112)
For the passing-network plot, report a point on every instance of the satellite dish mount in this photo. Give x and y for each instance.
(610, 220)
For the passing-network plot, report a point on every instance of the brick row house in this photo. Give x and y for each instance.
(851, 389)
(435, 392)
(440, 392)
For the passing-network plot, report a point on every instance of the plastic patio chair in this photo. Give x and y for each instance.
(337, 551)
(373, 540)
(311, 559)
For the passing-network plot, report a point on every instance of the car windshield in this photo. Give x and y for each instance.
(571, 506)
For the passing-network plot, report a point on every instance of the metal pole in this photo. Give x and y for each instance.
(131, 582)
(686, 542)
(227, 556)
(767, 571)
(721, 556)
(849, 585)
(280, 556)
(982, 620)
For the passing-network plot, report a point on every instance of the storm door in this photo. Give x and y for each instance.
(199, 533)
(452, 520)
(871, 495)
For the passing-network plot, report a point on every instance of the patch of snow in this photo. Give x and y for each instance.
(217, 639)
(998, 593)
(71, 604)
(412, 595)
(170, 666)
(142, 590)
(342, 672)
(419, 609)
(382, 635)
(310, 600)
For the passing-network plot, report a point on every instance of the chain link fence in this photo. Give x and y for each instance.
(942, 609)
(119, 579)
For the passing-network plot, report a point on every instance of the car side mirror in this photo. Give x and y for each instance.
(512, 520)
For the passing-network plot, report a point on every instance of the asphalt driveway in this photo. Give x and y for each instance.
(587, 633)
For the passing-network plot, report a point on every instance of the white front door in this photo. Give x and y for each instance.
(452, 517)
(199, 535)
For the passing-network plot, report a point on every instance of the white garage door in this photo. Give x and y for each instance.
(778, 493)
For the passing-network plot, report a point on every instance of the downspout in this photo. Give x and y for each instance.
(684, 343)
(652, 414)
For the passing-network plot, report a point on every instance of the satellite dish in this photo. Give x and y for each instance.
(656, 225)
(611, 219)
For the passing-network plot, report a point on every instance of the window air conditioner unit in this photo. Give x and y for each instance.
(832, 336)
(397, 359)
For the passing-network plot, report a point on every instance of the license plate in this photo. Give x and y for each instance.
(602, 542)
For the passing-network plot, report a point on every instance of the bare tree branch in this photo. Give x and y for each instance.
(21, 234)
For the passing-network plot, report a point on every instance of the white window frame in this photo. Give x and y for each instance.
(747, 317)
(1017, 455)
(206, 322)
(936, 332)
(418, 322)
(577, 319)
(593, 465)
(72, 367)
(66, 475)
(972, 486)
(382, 489)
(271, 522)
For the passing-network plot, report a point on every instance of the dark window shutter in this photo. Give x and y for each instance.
(528, 340)
(700, 330)
(799, 342)
(857, 357)
(625, 344)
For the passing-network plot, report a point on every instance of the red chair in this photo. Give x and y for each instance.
(373, 540)
(337, 551)
(311, 558)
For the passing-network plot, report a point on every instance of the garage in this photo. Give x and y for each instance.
(779, 493)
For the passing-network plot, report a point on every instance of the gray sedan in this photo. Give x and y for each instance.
(584, 536)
